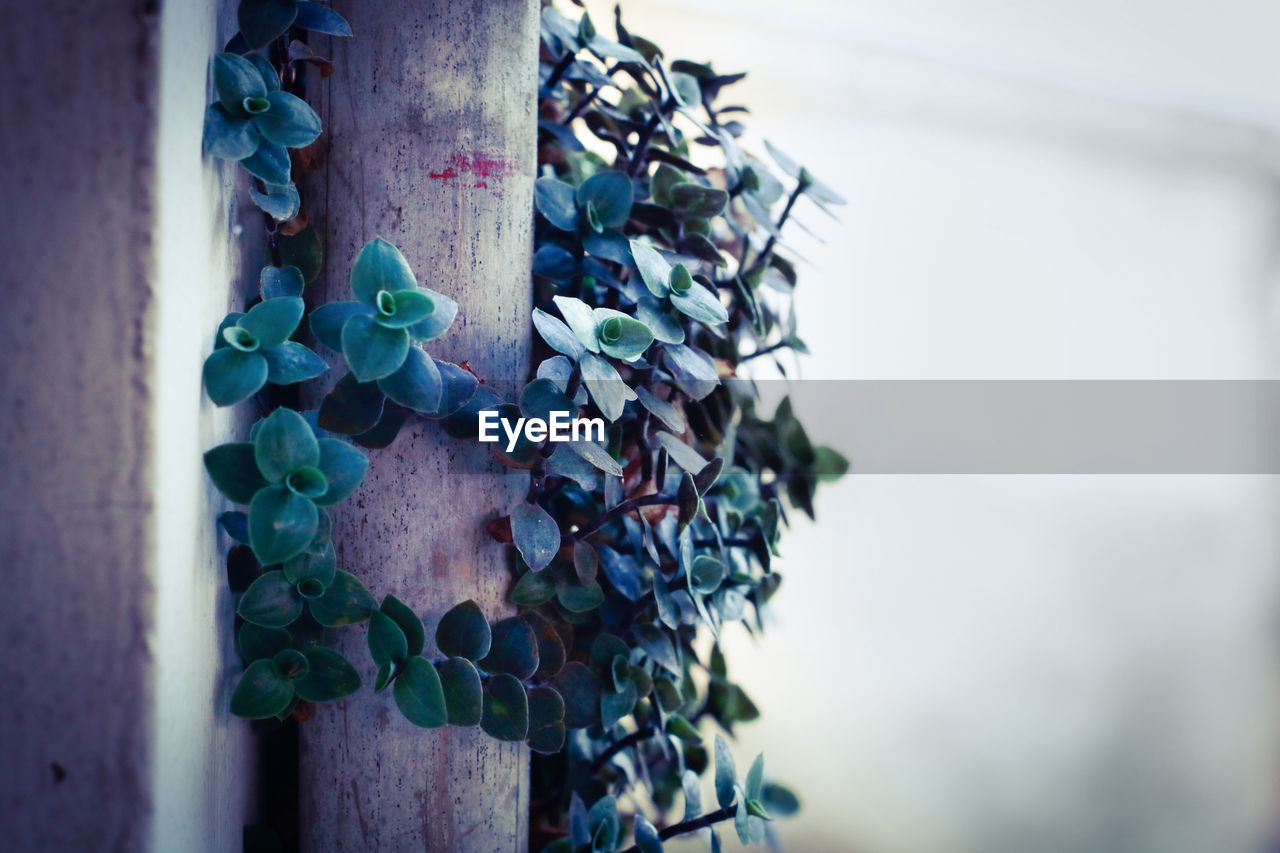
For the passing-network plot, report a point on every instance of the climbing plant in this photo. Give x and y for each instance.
(659, 274)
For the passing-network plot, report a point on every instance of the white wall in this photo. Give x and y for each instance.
(1038, 190)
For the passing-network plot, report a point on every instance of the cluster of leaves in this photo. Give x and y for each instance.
(659, 272)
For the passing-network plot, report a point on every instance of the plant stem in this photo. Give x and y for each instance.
(622, 509)
(622, 743)
(709, 819)
(561, 67)
(767, 252)
(642, 144)
(765, 351)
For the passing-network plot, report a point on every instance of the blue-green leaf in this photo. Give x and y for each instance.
(255, 642)
(329, 676)
(755, 778)
(438, 321)
(463, 694)
(557, 335)
(606, 386)
(281, 524)
(380, 266)
(345, 602)
(273, 320)
(726, 775)
(236, 78)
(292, 362)
(663, 410)
(581, 320)
(555, 200)
(407, 308)
(505, 715)
(653, 268)
(289, 121)
(387, 643)
(419, 694)
(610, 195)
(343, 466)
(647, 838)
(261, 693)
(536, 535)
(321, 19)
(417, 384)
(227, 135)
(284, 442)
(373, 351)
(662, 321)
(271, 601)
(262, 21)
(231, 375)
(270, 162)
(275, 282)
(410, 624)
(464, 632)
(620, 335)
(280, 201)
(234, 471)
(701, 304)
(327, 321)
(697, 200)
(352, 407)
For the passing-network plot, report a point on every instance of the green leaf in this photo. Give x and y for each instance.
(829, 464)
(275, 282)
(463, 694)
(387, 643)
(505, 715)
(373, 351)
(380, 266)
(554, 199)
(417, 383)
(289, 121)
(270, 75)
(351, 407)
(685, 88)
(234, 471)
(231, 375)
(262, 21)
(677, 724)
(665, 178)
(281, 524)
(271, 601)
(616, 705)
(647, 838)
(536, 535)
(541, 398)
(258, 643)
(291, 362)
(330, 676)
(546, 720)
(663, 410)
(227, 135)
(607, 389)
(557, 335)
(741, 818)
(657, 645)
(620, 335)
(407, 308)
(270, 162)
(701, 304)
(755, 778)
(280, 201)
(273, 321)
(321, 19)
(302, 250)
(345, 602)
(581, 320)
(551, 652)
(779, 800)
(533, 589)
(681, 454)
(459, 386)
(692, 795)
(514, 649)
(343, 467)
(602, 821)
(579, 598)
(597, 456)
(586, 561)
(261, 693)
(464, 632)
(438, 321)
(283, 443)
(726, 775)
(410, 624)
(236, 78)
(580, 690)
(419, 695)
(653, 268)
(610, 195)
(697, 200)
(548, 739)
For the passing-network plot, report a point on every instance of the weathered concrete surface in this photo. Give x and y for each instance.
(430, 123)
(87, 384)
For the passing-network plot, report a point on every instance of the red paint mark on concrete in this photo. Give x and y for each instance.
(481, 165)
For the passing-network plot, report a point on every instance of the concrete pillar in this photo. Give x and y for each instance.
(118, 257)
(430, 121)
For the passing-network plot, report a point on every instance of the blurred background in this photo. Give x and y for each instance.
(1038, 190)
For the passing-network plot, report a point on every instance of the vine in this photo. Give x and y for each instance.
(656, 279)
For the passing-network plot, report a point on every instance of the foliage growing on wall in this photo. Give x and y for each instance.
(658, 275)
